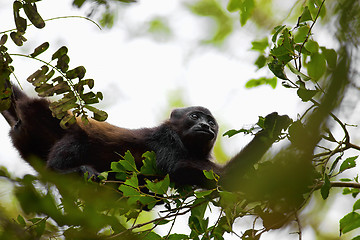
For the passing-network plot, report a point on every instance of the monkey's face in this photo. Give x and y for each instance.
(200, 126)
(196, 127)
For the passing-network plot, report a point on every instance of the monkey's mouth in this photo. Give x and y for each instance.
(207, 133)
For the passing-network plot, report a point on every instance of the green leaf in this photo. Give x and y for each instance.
(133, 181)
(89, 98)
(261, 81)
(334, 164)
(149, 164)
(148, 201)
(63, 63)
(78, 72)
(60, 108)
(349, 222)
(312, 46)
(20, 23)
(300, 74)
(40, 49)
(330, 56)
(260, 61)
(233, 132)
(38, 77)
(199, 210)
(149, 236)
(277, 30)
(356, 205)
(159, 187)
(345, 179)
(129, 191)
(353, 191)
(246, 8)
(234, 5)
(306, 94)
(40, 228)
(50, 90)
(117, 167)
(201, 194)
(33, 15)
(67, 121)
(176, 236)
(99, 115)
(59, 53)
(305, 16)
(3, 39)
(301, 34)
(316, 66)
(260, 45)
(325, 189)
(17, 38)
(282, 53)
(348, 163)
(210, 175)
(277, 68)
(129, 162)
(228, 199)
(21, 220)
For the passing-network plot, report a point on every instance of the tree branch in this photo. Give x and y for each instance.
(339, 184)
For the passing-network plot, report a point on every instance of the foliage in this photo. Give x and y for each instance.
(44, 80)
(273, 191)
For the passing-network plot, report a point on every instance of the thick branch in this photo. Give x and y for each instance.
(340, 184)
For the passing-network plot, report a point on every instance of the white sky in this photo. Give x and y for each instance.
(137, 75)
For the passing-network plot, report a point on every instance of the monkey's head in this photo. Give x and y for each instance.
(196, 127)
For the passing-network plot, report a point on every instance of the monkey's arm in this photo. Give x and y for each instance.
(232, 173)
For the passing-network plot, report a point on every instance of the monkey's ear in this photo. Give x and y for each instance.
(177, 113)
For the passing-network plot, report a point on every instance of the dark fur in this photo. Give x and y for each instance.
(182, 144)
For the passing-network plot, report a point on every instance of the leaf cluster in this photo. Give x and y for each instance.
(50, 79)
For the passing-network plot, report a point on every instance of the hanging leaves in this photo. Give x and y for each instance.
(33, 15)
(20, 22)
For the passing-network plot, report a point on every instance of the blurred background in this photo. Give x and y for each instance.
(152, 56)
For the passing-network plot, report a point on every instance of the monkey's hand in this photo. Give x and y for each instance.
(274, 124)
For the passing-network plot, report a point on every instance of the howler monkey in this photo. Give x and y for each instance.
(182, 144)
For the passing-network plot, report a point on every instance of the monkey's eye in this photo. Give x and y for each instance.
(211, 123)
(194, 116)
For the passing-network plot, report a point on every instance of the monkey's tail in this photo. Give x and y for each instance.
(11, 114)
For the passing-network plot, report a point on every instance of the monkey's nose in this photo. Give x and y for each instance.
(205, 126)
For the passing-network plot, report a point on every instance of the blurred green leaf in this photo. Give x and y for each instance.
(261, 61)
(330, 56)
(260, 45)
(201, 194)
(261, 81)
(316, 66)
(325, 189)
(301, 34)
(306, 94)
(306, 15)
(356, 205)
(300, 74)
(349, 222)
(312, 46)
(214, 10)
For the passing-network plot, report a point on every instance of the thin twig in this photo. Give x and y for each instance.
(56, 18)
